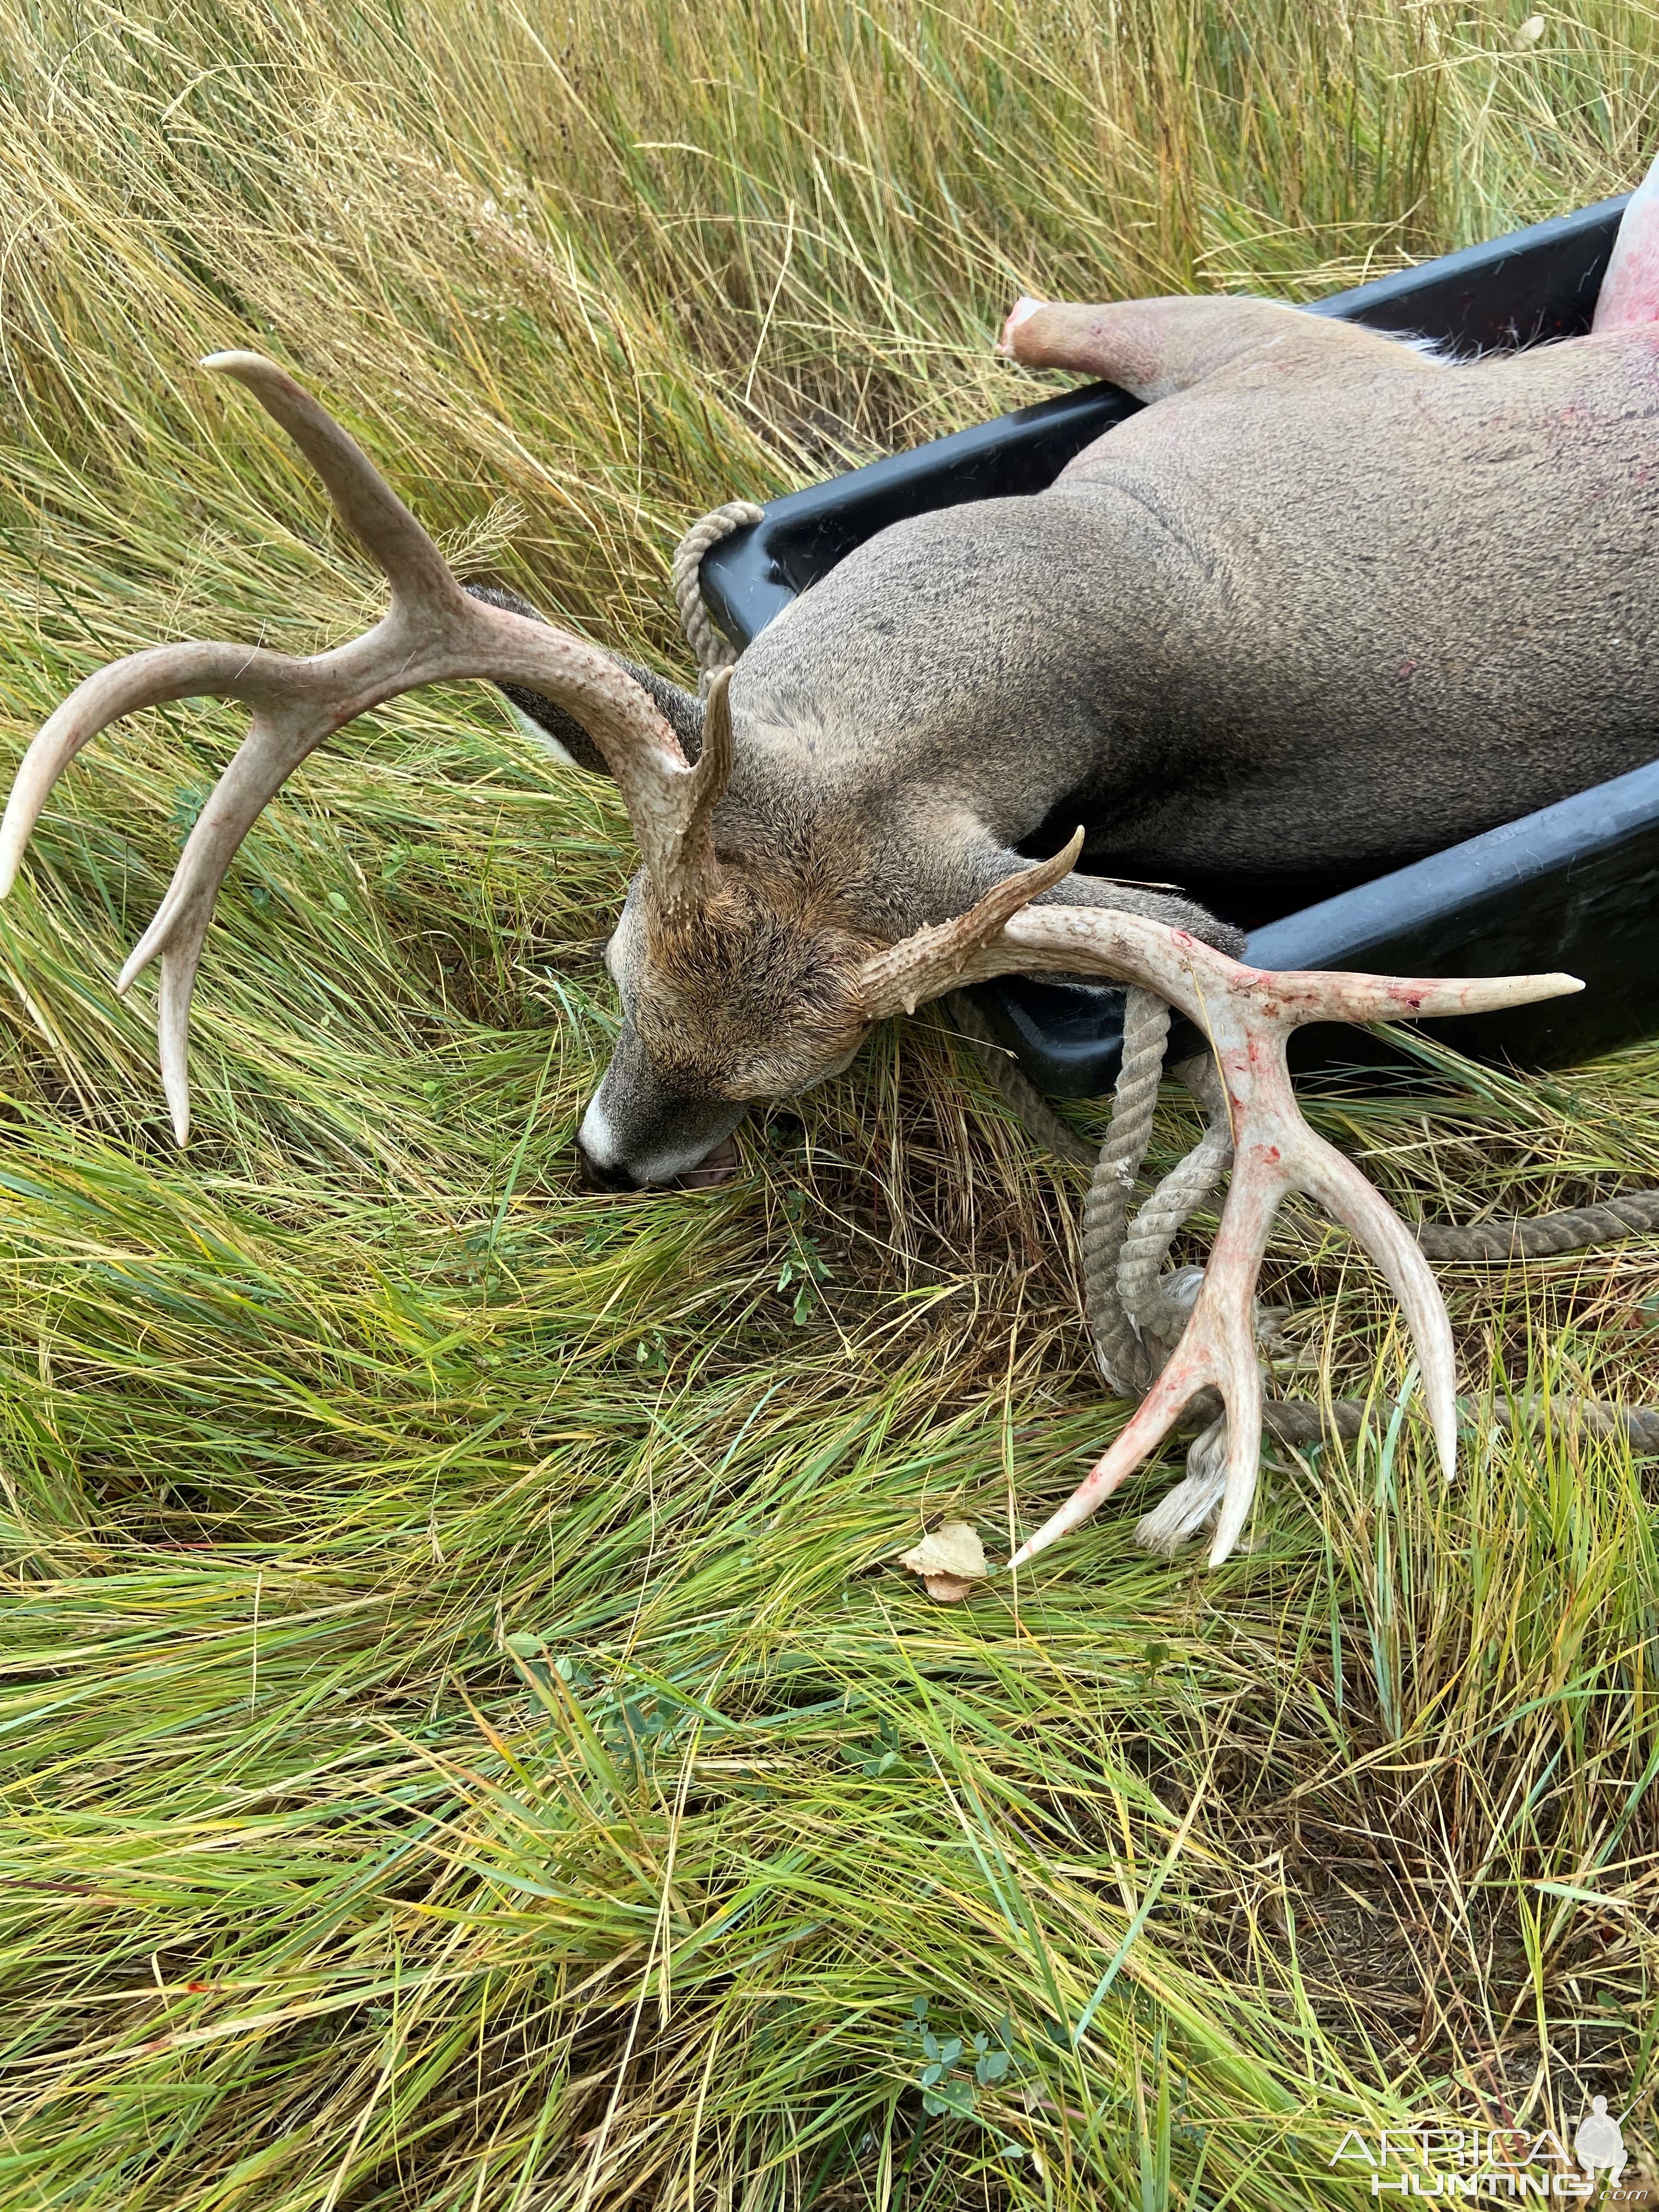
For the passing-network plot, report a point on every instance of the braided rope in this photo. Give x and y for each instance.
(1143, 1290)
(1299, 1421)
(1125, 1360)
(711, 650)
(1182, 1512)
(1634, 1213)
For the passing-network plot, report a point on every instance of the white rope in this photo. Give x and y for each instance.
(711, 650)
(1124, 1360)
(1145, 1291)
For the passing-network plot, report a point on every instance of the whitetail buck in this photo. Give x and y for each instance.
(1328, 594)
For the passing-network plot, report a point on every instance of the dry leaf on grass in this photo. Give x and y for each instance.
(949, 1561)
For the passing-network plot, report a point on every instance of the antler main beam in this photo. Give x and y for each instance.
(433, 632)
(1247, 1015)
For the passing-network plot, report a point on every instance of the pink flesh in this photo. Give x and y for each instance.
(1022, 311)
(719, 1166)
(1629, 290)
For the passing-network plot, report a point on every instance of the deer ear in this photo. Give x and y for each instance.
(561, 733)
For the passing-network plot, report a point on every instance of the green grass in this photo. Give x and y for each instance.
(464, 1746)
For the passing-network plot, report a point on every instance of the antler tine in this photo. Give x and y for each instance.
(1217, 1352)
(142, 680)
(687, 864)
(362, 497)
(1329, 995)
(935, 959)
(178, 929)
(364, 502)
(1336, 1184)
(1248, 1014)
(433, 632)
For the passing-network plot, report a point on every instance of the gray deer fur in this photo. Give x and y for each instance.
(1327, 595)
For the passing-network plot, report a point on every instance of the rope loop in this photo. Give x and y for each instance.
(1136, 1311)
(713, 651)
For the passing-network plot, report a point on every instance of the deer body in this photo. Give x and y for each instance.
(1327, 604)
(1330, 603)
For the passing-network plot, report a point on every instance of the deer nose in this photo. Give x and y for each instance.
(596, 1174)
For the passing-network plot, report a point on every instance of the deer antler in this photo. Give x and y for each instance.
(1248, 1014)
(898, 980)
(433, 632)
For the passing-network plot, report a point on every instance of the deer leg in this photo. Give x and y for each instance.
(1629, 290)
(1156, 348)
(1159, 902)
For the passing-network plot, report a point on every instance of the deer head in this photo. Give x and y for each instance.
(740, 978)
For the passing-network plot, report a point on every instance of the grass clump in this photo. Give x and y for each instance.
(464, 1748)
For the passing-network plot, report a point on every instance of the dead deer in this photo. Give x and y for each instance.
(759, 945)
(1328, 594)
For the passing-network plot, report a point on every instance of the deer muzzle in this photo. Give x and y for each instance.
(641, 1134)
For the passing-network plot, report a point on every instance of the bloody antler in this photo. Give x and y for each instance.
(433, 632)
(1248, 1014)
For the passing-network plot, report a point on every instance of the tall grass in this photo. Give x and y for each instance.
(464, 1746)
